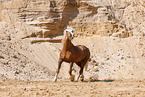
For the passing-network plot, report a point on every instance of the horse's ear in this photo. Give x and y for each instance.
(65, 27)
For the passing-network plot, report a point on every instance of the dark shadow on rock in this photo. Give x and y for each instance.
(94, 10)
(69, 13)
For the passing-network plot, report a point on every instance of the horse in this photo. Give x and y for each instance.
(78, 54)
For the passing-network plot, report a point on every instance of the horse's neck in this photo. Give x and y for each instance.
(67, 44)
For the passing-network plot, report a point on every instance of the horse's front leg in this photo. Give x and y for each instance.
(70, 72)
(58, 69)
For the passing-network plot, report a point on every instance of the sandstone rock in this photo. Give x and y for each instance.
(114, 35)
(14, 4)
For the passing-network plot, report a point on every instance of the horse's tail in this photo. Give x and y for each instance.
(86, 66)
(88, 58)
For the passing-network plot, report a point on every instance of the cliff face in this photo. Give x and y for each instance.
(124, 18)
(112, 29)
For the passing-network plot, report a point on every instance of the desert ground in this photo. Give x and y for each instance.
(31, 32)
(65, 88)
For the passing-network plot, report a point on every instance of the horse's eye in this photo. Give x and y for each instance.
(71, 35)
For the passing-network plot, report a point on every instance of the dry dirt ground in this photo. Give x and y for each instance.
(113, 57)
(65, 88)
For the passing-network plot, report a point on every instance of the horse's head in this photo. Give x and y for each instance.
(69, 32)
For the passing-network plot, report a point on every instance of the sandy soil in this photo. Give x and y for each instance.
(112, 57)
(65, 88)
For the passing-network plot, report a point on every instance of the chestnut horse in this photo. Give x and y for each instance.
(79, 54)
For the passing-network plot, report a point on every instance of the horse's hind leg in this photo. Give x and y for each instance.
(70, 72)
(81, 74)
(58, 69)
(82, 64)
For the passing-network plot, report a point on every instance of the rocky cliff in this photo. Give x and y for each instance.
(31, 31)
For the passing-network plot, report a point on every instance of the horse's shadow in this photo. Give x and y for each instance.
(108, 80)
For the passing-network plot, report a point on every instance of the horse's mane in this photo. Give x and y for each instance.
(71, 32)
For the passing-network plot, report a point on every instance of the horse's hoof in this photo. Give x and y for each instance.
(72, 77)
(54, 80)
(81, 78)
